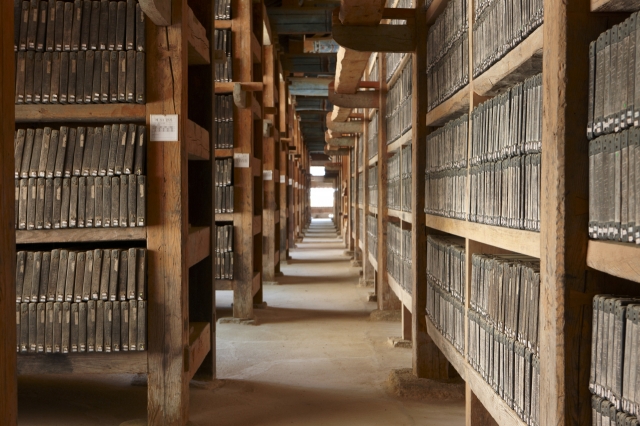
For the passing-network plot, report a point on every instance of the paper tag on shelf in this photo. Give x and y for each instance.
(283, 179)
(296, 185)
(164, 128)
(267, 175)
(241, 161)
(290, 181)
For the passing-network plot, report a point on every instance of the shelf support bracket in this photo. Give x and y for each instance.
(342, 142)
(360, 99)
(377, 38)
(239, 96)
(159, 11)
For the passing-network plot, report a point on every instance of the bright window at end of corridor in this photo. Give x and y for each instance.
(322, 197)
(317, 170)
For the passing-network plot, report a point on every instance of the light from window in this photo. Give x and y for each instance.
(317, 170)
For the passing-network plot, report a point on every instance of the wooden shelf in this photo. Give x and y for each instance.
(373, 160)
(81, 235)
(403, 216)
(615, 258)
(130, 362)
(496, 406)
(227, 87)
(197, 142)
(223, 153)
(614, 5)
(198, 245)
(524, 61)
(435, 9)
(199, 346)
(198, 44)
(58, 113)
(373, 210)
(398, 72)
(515, 240)
(401, 141)
(224, 217)
(450, 109)
(223, 24)
(402, 294)
(373, 261)
(224, 285)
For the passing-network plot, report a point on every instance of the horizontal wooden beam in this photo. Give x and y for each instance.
(344, 127)
(340, 114)
(341, 142)
(159, 11)
(361, 12)
(333, 166)
(379, 38)
(407, 14)
(360, 99)
(132, 362)
(338, 152)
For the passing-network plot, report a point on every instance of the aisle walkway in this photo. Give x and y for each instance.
(315, 358)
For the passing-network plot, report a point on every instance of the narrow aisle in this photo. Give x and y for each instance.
(314, 358)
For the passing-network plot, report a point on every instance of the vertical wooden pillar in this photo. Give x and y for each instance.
(8, 377)
(564, 307)
(428, 361)
(270, 206)
(284, 169)
(475, 413)
(407, 323)
(167, 230)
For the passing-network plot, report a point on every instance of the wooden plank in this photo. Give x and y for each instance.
(80, 235)
(373, 160)
(8, 382)
(614, 5)
(403, 216)
(565, 305)
(340, 114)
(373, 210)
(614, 258)
(83, 363)
(111, 113)
(224, 153)
(361, 12)
(515, 240)
(450, 109)
(401, 293)
(380, 38)
(340, 142)
(524, 61)
(199, 345)
(400, 142)
(359, 99)
(158, 11)
(373, 261)
(199, 52)
(224, 217)
(496, 406)
(227, 87)
(256, 49)
(348, 126)
(168, 387)
(221, 24)
(197, 142)
(435, 9)
(350, 66)
(224, 284)
(198, 244)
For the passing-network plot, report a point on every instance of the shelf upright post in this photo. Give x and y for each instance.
(428, 361)
(168, 388)
(270, 207)
(565, 308)
(284, 165)
(8, 366)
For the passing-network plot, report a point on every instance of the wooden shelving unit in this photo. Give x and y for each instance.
(617, 259)
(181, 297)
(247, 54)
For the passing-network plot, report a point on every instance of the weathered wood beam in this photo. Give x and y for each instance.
(344, 127)
(343, 141)
(197, 41)
(340, 113)
(361, 99)
(379, 38)
(239, 96)
(361, 12)
(341, 152)
(333, 166)
(159, 11)
(349, 69)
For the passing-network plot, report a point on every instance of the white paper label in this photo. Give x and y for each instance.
(241, 161)
(283, 179)
(290, 181)
(164, 128)
(296, 184)
(267, 175)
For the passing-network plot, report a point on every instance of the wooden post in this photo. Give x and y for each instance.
(270, 207)
(8, 378)
(167, 230)
(564, 307)
(475, 413)
(428, 361)
(407, 323)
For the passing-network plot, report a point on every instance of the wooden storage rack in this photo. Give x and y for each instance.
(248, 64)
(181, 315)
